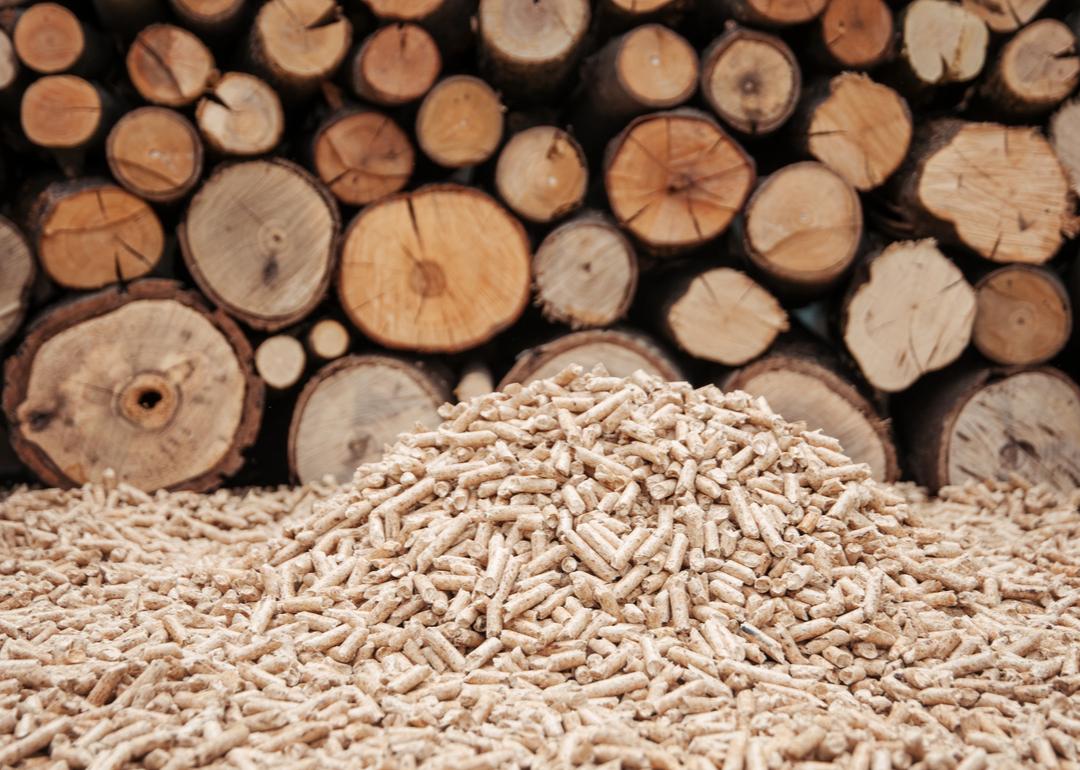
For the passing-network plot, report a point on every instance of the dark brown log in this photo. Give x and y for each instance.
(396, 64)
(242, 116)
(362, 155)
(442, 269)
(89, 233)
(1065, 138)
(18, 268)
(857, 34)
(328, 339)
(460, 122)
(804, 384)
(209, 17)
(941, 42)
(619, 352)
(751, 80)
(145, 380)
(260, 240)
(909, 313)
(972, 425)
(772, 13)
(1023, 315)
(280, 361)
(1035, 70)
(675, 179)
(170, 66)
(296, 44)
(542, 174)
(354, 407)
(1005, 16)
(155, 153)
(49, 39)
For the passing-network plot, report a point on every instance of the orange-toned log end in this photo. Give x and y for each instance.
(857, 34)
(362, 155)
(169, 65)
(397, 64)
(49, 38)
(460, 122)
(775, 13)
(442, 269)
(155, 153)
(542, 174)
(1023, 315)
(61, 112)
(208, 16)
(298, 43)
(676, 180)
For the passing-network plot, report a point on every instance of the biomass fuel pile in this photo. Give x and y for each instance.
(584, 571)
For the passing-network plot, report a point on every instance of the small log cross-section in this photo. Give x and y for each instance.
(986, 424)
(145, 381)
(362, 155)
(241, 115)
(9, 65)
(912, 314)
(585, 272)
(155, 153)
(354, 407)
(1023, 315)
(802, 227)
(259, 238)
(441, 269)
(396, 64)
(800, 386)
(860, 129)
(1065, 137)
(620, 353)
(50, 39)
(1004, 16)
(751, 80)
(298, 43)
(328, 339)
(63, 112)
(721, 315)
(17, 267)
(210, 17)
(460, 122)
(542, 174)
(942, 42)
(998, 190)
(89, 233)
(169, 65)
(857, 34)
(1036, 69)
(675, 179)
(280, 361)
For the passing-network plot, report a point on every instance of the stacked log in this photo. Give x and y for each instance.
(862, 211)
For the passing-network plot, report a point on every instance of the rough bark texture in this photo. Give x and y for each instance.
(857, 34)
(1036, 69)
(396, 64)
(941, 42)
(280, 361)
(241, 116)
(328, 339)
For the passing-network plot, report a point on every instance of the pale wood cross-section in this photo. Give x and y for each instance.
(460, 122)
(1065, 137)
(241, 116)
(1023, 315)
(9, 63)
(1004, 16)
(619, 352)
(362, 155)
(155, 153)
(298, 43)
(942, 42)
(280, 361)
(169, 65)
(18, 268)
(542, 174)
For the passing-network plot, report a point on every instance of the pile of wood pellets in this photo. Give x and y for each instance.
(586, 571)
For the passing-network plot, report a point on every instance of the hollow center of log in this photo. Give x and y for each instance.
(428, 279)
(149, 400)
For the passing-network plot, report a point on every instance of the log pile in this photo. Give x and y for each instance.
(256, 239)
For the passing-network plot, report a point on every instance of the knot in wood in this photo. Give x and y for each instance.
(149, 401)
(428, 279)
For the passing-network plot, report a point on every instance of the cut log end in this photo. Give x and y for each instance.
(143, 381)
(49, 38)
(542, 174)
(61, 112)
(629, 11)
(362, 155)
(676, 179)
(1065, 138)
(751, 80)
(298, 43)
(1037, 68)
(475, 381)
(155, 153)
(1023, 316)
(18, 267)
(241, 115)
(1005, 17)
(857, 34)
(442, 269)
(397, 64)
(354, 407)
(861, 129)
(943, 42)
(912, 315)
(656, 67)
(259, 239)
(328, 339)
(460, 122)
(620, 353)
(532, 46)
(280, 361)
(90, 233)
(721, 315)
(169, 65)
(209, 16)
(585, 273)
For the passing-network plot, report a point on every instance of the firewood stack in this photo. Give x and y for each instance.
(257, 240)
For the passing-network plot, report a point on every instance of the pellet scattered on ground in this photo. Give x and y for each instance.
(586, 571)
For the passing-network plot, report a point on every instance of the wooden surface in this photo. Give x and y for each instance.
(61, 112)
(460, 122)
(751, 80)
(620, 352)
(362, 155)
(530, 47)
(942, 42)
(1023, 315)
(1064, 130)
(328, 339)
(155, 153)
(49, 38)
(243, 117)
(280, 360)
(169, 65)
(396, 64)
(541, 174)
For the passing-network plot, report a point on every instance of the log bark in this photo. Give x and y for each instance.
(941, 42)
(585, 272)
(18, 267)
(328, 339)
(49, 39)
(751, 80)
(460, 122)
(542, 174)
(720, 315)
(529, 49)
(170, 66)
(146, 381)
(362, 155)
(1018, 209)
(857, 34)
(396, 64)
(802, 228)
(859, 128)
(1023, 315)
(214, 18)
(1065, 138)
(260, 239)
(620, 352)
(803, 383)
(354, 407)
(675, 179)
(155, 153)
(1005, 16)
(971, 425)
(89, 233)
(65, 113)
(1035, 71)
(241, 115)
(441, 269)
(296, 44)
(911, 312)
(772, 13)
(280, 361)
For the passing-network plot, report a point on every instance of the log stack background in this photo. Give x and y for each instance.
(251, 241)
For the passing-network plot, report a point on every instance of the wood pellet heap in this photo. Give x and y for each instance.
(583, 571)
